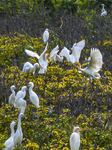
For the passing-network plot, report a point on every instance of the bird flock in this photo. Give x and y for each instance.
(72, 56)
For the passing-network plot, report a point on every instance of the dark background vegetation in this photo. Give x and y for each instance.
(81, 20)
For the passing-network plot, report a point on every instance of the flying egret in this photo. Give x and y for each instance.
(76, 51)
(18, 134)
(12, 96)
(42, 59)
(75, 139)
(54, 56)
(108, 122)
(103, 11)
(94, 65)
(46, 35)
(20, 103)
(33, 96)
(28, 67)
(10, 142)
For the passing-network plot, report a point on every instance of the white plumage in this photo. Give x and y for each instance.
(20, 103)
(46, 35)
(33, 96)
(94, 65)
(10, 142)
(28, 67)
(21, 93)
(12, 96)
(76, 51)
(103, 11)
(18, 136)
(42, 59)
(54, 56)
(75, 139)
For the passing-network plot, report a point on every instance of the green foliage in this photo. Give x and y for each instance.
(75, 99)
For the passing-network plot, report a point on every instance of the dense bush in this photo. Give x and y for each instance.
(76, 100)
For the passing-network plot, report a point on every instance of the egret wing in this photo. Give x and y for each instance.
(32, 54)
(96, 60)
(77, 48)
(34, 98)
(54, 50)
(42, 60)
(66, 53)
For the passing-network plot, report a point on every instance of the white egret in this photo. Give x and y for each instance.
(33, 96)
(21, 93)
(12, 96)
(20, 103)
(108, 122)
(28, 67)
(10, 142)
(54, 56)
(18, 136)
(42, 59)
(94, 65)
(76, 51)
(103, 11)
(46, 35)
(75, 139)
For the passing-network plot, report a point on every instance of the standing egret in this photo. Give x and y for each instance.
(75, 139)
(94, 65)
(42, 59)
(18, 136)
(12, 96)
(28, 67)
(46, 35)
(10, 142)
(33, 96)
(54, 56)
(20, 103)
(21, 93)
(76, 51)
(103, 11)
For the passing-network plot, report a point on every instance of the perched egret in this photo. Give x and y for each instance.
(33, 96)
(42, 59)
(18, 134)
(103, 11)
(46, 35)
(94, 65)
(28, 67)
(21, 93)
(75, 139)
(108, 122)
(10, 142)
(12, 96)
(76, 51)
(54, 56)
(20, 103)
